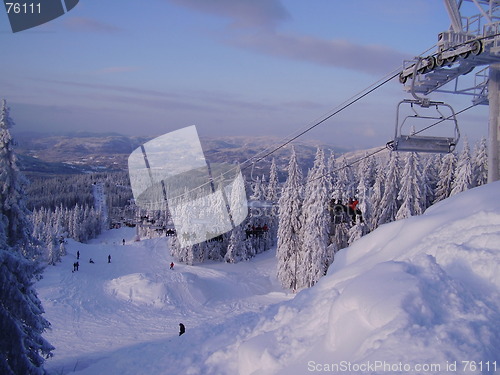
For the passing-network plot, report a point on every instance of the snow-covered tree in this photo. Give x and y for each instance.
(480, 163)
(364, 190)
(315, 225)
(411, 195)
(238, 249)
(463, 172)
(358, 230)
(345, 184)
(446, 173)
(22, 346)
(389, 204)
(13, 210)
(376, 196)
(289, 227)
(429, 180)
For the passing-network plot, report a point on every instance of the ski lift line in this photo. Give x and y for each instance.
(298, 133)
(345, 105)
(385, 147)
(251, 161)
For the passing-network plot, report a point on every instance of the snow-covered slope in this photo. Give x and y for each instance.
(415, 296)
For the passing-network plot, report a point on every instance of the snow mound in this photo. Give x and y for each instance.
(422, 294)
(138, 289)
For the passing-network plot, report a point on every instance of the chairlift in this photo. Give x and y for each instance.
(424, 110)
(408, 139)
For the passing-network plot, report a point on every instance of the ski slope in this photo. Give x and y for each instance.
(417, 296)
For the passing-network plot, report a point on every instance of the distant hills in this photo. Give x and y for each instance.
(85, 152)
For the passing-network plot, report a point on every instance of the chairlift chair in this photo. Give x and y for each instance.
(412, 141)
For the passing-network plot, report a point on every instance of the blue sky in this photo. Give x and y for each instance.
(231, 67)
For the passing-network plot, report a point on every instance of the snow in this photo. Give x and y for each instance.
(416, 296)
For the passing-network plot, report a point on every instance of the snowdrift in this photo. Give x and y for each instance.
(417, 296)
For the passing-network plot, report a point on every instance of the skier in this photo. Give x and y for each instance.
(91, 260)
(109, 258)
(123, 241)
(182, 329)
(78, 254)
(172, 265)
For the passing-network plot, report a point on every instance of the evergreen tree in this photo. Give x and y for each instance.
(480, 163)
(357, 231)
(389, 204)
(430, 180)
(289, 227)
(13, 210)
(315, 225)
(463, 173)
(22, 346)
(366, 177)
(376, 197)
(272, 200)
(345, 184)
(446, 173)
(410, 194)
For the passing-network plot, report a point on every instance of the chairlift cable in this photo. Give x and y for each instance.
(385, 148)
(286, 140)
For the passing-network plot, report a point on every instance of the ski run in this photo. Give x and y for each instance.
(416, 296)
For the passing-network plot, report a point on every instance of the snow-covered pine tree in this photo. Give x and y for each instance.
(238, 249)
(272, 199)
(13, 210)
(332, 174)
(315, 225)
(480, 163)
(429, 180)
(446, 174)
(289, 227)
(345, 185)
(366, 177)
(463, 172)
(22, 346)
(389, 204)
(411, 195)
(376, 196)
(357, 231)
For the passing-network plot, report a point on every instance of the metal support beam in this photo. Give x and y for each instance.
(494, 123)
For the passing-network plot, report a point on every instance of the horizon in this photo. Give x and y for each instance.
(232, 68)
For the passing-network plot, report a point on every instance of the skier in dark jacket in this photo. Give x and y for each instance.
(182, 329)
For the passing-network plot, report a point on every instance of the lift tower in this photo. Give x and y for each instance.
(473, 40)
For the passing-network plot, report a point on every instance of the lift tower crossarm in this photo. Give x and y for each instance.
(454, 14)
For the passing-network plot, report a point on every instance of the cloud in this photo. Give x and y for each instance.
(89, 25)
(116, 69)
(259, 19)
(373, 59)
(242, 13)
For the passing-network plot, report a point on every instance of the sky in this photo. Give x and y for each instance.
(230, 67)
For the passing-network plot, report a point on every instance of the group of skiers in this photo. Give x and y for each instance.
(341, 213)
(76, 265)
(256, 231)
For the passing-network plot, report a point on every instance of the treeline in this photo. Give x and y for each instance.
(63, 207)
(386, 189)
(52, 227)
